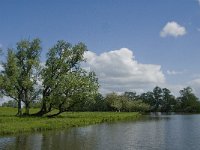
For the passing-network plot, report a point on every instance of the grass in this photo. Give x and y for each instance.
(10, 124)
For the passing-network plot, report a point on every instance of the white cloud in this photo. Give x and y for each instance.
(195, 84)
(119, 71)
(196, 81)
(173, 72)
(198, 1)
(173, 29)
(174, 88)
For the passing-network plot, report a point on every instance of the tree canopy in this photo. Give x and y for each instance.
(62, 78)
(61, 83)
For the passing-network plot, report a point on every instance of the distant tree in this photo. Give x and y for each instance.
(35, 104)
(114, 101)
(168, 101)
(189, 101)
(131, 95)
(100, 103)
(10, 103)
(139, 106)
(159, 99)
(157, 92)
(149, 99)
(123, 103)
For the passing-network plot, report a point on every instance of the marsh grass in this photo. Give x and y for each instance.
(10, 124)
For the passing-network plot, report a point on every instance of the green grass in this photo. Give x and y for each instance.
(10, 124)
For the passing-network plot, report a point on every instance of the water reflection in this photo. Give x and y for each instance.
(157, 131)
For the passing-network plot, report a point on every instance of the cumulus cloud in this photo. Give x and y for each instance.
(195, 84)
(119, 71)
(173, 29)
(196, 81)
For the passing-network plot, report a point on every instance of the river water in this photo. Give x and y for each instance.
(154, 132)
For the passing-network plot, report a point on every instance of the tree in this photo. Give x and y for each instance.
(138, 106)
(148, 98)
(157, 92)
(131, 95)
(63, 79)
(168, 100)
(188, 101)
(10, 80)
(99, 103)
(19, 73)
(123, 103)
(10, 103)
(28, 53)
(114, 101)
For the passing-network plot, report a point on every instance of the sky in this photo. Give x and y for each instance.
(134, 45)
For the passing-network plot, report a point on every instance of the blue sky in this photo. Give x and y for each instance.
(109, 25)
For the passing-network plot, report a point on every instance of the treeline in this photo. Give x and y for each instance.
(62, 83)
(58, 83)
(158, 100)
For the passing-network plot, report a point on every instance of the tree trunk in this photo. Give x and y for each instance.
(27, 107)
(50, 116)
(44, 106)
(60, 111)
(19, 113)
(43, 109)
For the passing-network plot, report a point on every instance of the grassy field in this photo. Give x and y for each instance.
(10, 124)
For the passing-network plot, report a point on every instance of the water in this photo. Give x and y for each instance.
(155, 132)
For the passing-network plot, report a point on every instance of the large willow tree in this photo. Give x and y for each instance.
(63, 81)
(19, 74)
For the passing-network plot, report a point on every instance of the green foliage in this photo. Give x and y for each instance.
(28, 53)
(9, 77)
(159, 100)
(125, 103)
(19, 74)
(157, 92)
(188, 102)
(114, 101)
(162, 100)
(148, 98)
(168, 101)
(66, 84)
(99, 104)
(136, 106)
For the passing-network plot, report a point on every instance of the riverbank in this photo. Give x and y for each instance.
(10, 124)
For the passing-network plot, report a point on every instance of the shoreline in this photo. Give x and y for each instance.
(12, 125)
